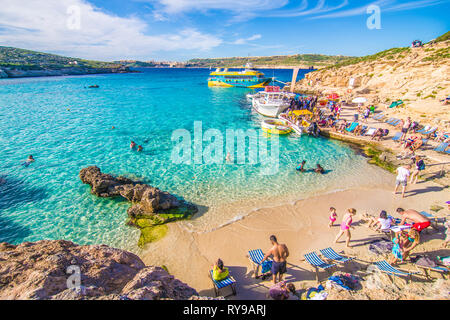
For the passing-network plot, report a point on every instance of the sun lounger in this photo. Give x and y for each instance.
(385, 267)
(397, 136)
(378, 116)
(255, 257)
(330, 254)
(390, 120)
(441, 147)
(371, 132)
(228, 282)
(363, 129)
(424, 129)
(429, 132)
(314, 260)
(395, 122)
(438, 269)
(352, 127)
(433, 219)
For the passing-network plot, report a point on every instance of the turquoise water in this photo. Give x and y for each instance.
(47, 200)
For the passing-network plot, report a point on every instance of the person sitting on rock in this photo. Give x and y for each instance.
(219, 271)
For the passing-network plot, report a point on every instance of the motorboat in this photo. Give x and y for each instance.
(271, 102)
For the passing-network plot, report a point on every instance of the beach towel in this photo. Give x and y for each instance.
(426, 262)
(266, 266)
(316, 293)
(344, 281)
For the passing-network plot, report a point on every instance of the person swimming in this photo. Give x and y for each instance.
(301, 167)
(29, 160)
(139, 149)
(132, 145)
(228, 157)
(319, 169)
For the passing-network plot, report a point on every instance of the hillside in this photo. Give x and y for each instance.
(298, 60)
(16, 62)
(418, 76)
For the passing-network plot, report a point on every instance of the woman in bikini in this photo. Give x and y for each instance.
(345, 227)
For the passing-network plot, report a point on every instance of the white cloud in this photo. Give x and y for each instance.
(246, 40)
(42, 26)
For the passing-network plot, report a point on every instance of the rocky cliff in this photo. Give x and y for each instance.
(49, 270)
(411, 74)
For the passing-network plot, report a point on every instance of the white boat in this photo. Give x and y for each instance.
(271, 104)
(297, 127)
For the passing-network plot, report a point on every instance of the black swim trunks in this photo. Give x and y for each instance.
(279, 267)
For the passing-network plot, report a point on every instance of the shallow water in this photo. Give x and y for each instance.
(67, 126)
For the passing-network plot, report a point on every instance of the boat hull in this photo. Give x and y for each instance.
(269, 110)
(249, 84)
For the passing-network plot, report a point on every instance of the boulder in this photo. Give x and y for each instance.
(40, 270)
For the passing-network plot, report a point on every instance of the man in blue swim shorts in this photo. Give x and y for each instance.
(280, 253)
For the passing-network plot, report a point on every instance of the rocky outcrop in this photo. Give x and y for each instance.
(42, 270)
(151, 207)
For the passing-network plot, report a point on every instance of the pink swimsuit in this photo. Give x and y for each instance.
(332, 218)
(345, 225)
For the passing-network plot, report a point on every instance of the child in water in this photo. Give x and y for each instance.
(333, 217)
(301, 167)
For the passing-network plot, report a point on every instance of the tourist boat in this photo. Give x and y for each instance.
(247, 78)
(275, 126)
(271, 102)
(296, 126)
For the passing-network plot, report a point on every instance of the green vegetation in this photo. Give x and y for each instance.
(14, 58)
(374, 155)
(390, 54)
(152, 234)
(292, 60)
(444, 37)
(438, 55)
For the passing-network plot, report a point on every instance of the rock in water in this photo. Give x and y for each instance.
(151, 207)
(41, 270)
(105, 185)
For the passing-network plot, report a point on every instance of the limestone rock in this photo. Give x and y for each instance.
(39, 270)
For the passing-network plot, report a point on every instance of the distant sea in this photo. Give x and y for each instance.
(67, 126)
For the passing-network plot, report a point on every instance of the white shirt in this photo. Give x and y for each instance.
(385, 223)
(403, 174)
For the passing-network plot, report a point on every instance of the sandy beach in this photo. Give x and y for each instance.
(302, 226)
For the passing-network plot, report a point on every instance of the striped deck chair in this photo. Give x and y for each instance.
(397, 136)
(378, 116)
(370, 132)
(363, 129)
(228, 282)
(385, 267)
(330, 254)
(255, 257)
(395, 122)
(433, 219)
(388, 121)
(314, 260)
(424, 129)
(443, 271)
(352, 127)
(429, 132)
(441, 147)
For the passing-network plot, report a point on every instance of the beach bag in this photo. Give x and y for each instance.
(421, 165)
(266, 266)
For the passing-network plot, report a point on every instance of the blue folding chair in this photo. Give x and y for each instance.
(395, 122)
(378, 116)
(256, 257)
(441, 147)
(314, 260)
(352, 127)
(429, 132)
(397, 136)
(424, 129)
(332, 255)
(388, 121)
(228, 282)
(385, 267)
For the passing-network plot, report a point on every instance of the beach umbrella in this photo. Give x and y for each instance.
(359, 100)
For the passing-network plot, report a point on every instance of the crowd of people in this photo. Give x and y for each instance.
(404, 241)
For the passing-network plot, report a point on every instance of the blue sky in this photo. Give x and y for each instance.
(184, 29)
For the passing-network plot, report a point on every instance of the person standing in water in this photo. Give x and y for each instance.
(280, 253)
(132, 145)
(301, 167)
(345, 227)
